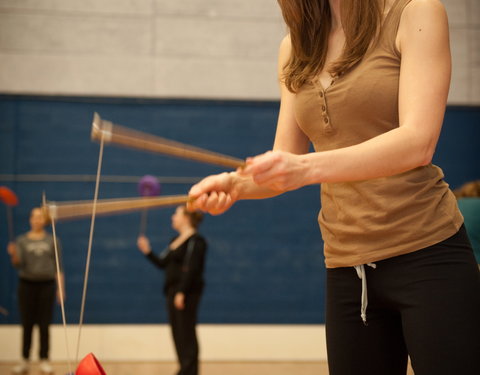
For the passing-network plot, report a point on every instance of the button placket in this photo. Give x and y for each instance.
(327, 127)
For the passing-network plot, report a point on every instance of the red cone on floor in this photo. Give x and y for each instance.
(90, 366)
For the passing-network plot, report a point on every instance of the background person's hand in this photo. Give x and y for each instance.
(179, 301)
(11, 248)
(143, 245)
(61, 296)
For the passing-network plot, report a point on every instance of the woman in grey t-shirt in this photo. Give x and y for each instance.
(33, 254)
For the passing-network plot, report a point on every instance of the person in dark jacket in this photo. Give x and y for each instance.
(183, 261)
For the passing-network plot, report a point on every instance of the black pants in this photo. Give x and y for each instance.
(425, 304)
(36, 299)
(183, 323)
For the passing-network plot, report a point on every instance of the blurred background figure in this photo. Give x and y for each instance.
(33, 255)
(183, 261)
(468, 196)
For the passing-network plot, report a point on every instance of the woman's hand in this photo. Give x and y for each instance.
(61, 294)
(179, 301)
(61, 297)
(278, 170)
(12, 249)
(214, 194)
(144, 245)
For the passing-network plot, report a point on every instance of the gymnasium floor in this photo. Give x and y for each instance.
(207, 368)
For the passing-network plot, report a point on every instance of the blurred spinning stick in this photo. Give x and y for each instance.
(10, 199)
(148, 186)
(123, 136)
(71, 210)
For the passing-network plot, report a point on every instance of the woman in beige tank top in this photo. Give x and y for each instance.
(366, 82)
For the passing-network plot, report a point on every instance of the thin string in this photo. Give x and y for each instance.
(90, 240)
(62, 301)
(143, 222)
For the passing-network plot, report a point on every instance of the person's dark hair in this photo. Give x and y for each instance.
(195, 217)
(309, 24)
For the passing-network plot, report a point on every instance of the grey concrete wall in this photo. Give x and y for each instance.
(173, 48)
(464, 19)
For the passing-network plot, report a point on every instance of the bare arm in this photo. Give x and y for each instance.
(424, 82)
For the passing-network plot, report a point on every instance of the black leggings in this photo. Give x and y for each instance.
(425, 305)
(183, 325)
(36, 299)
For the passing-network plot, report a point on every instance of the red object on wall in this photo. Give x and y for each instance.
(8, 197)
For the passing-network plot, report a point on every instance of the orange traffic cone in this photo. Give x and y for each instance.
(90, 366)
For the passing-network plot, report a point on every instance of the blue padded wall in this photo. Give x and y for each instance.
(265, 262)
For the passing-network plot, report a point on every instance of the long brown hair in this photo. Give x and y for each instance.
(309, 23)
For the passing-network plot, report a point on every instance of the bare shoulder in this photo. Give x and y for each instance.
(427, 18)
(286, 42)
(284, 53)
(423, 10)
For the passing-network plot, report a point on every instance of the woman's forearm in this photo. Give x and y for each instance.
(247, 189)
(391, 153)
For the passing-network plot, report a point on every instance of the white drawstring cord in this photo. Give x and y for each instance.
(361, 274)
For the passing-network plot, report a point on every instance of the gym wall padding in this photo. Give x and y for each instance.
(265, 262)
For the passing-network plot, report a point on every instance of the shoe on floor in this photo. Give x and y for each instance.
(45, 367)
(21, 368)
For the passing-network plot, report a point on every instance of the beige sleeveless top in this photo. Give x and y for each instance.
(370, 220)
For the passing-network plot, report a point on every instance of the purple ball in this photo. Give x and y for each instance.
(148, 186)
